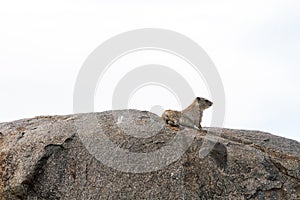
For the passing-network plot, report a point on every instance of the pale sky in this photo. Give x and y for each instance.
(255, 46)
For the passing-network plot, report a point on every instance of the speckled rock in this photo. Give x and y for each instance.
(62, 157)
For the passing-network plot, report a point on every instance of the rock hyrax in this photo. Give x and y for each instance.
(189, 117)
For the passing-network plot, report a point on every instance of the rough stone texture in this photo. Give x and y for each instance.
(44, 158)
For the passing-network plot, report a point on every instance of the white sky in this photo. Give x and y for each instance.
(255, 46)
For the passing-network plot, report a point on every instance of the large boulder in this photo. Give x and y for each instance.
(130, 154)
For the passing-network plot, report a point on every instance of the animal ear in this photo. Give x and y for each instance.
(194, 106)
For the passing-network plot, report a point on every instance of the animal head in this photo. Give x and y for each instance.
(203, 103)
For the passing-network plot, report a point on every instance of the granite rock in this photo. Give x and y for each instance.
(126, 154)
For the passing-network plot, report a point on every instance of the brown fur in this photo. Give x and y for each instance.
(189, 117)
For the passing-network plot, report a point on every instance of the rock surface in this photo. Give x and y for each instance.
(62, 157)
